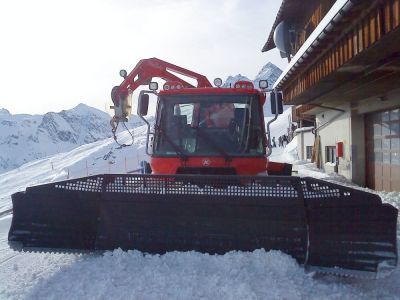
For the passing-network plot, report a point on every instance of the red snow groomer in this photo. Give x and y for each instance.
(211, 188)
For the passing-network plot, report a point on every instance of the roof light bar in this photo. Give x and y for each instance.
(244, 85)
(172, 85)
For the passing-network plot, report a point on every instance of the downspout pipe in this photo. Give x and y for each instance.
(269, 152)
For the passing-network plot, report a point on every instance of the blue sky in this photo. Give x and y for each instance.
(56, 54)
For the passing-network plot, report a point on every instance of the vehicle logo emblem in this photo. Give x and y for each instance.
(206, 162)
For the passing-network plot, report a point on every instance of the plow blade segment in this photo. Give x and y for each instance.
(350, 231)
(47, 217)
(156, 214)
(326, 227)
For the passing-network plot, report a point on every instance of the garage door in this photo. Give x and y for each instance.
(383, 150)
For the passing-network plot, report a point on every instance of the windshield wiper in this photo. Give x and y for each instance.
(177, 149)
(214, 144)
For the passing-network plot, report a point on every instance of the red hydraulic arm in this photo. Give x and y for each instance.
(146, 69)
(142, 74)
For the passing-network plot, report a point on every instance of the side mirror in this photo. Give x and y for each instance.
(143, 104)
(276, 103)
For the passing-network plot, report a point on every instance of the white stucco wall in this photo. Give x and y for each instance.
(349, 127)
(304, 139)
(334, 126)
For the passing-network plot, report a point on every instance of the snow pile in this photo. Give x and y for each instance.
(290, 151)
(281, 124)
(188, 275)
(177, 275)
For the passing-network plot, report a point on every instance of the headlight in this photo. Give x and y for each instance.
(217, 82)
(263, 84)
(153, 86)
(123, 73)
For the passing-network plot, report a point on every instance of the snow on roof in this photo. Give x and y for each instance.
(303, 129)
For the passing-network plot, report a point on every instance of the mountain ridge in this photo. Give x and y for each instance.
(25, 137)
(269, 72)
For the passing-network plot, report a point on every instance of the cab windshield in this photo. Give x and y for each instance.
(218, 125)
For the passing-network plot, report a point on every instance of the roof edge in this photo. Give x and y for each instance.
(269, 45)
(338, 9)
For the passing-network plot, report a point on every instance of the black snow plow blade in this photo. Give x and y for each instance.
(324, 226)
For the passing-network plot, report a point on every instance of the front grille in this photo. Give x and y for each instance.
(207, 171)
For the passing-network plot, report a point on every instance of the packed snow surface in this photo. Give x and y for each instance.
(176, 275)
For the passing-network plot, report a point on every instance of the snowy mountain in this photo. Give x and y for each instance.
(4, 112)
(268, 72)
(230, 81)
(26, 137)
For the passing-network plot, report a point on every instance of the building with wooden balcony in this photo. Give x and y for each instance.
(344, 70)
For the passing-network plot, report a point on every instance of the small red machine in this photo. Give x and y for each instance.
(202, 129)
(208, 190)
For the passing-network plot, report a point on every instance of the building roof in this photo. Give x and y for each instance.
(340, 8)
(289, 10)
(353, 54)
(279, 17)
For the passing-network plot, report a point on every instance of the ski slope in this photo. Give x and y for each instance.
(176, 275)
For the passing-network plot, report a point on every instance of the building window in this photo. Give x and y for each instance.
(309, 150)
(330, 152)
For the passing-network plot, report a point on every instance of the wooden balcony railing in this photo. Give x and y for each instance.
(361, 30)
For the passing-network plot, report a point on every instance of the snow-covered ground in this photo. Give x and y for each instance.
(96, 158)
(189, 275)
